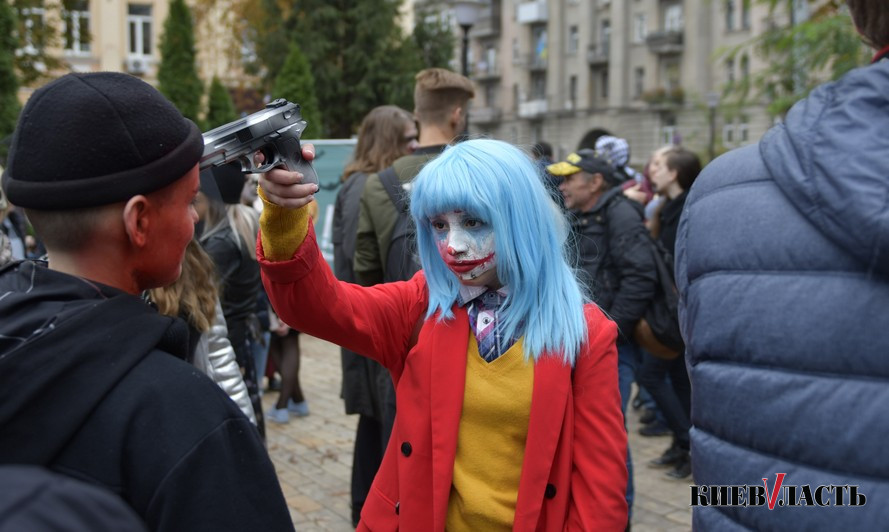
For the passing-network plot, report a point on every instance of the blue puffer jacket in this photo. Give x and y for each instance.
(783, 270)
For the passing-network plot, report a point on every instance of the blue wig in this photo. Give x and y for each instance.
(499, 184)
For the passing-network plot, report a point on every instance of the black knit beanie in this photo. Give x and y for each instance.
(86, 140)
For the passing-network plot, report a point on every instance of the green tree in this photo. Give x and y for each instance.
(177, 75)
(434, 41)
(296, 84)
(9, 102)
(799, 55)
(33, 38)
(220, 109)
(357, 54)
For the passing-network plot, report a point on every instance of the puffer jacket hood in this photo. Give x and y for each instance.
(65, 342)
(829, 158)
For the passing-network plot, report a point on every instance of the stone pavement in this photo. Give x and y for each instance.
(313, 457)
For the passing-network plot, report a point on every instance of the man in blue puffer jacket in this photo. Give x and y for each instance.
(783, 270)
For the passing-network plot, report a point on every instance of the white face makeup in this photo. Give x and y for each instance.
(466, 244)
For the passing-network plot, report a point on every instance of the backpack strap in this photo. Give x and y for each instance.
(393, 188)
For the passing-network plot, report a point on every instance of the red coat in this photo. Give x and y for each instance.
(574, 473)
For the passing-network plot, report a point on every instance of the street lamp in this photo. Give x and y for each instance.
(712, 103)
(467, 13)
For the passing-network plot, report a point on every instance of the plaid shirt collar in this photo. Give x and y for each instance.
(468, 294)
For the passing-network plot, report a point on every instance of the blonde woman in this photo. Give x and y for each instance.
(194, 298)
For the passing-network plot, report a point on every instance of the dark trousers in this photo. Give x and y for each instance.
(369, 448)
(673, 397)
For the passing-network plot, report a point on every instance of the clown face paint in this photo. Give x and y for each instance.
(466, 244)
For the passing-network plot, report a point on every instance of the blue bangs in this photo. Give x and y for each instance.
(499, 184)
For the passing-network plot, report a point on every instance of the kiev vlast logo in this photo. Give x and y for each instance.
(780, 495)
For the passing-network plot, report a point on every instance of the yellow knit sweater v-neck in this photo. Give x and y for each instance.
(491, 440)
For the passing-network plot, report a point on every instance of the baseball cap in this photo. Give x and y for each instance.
(585, 160)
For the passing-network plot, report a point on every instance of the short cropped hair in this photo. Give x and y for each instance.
(871, 18)
(686, 164)
(438, 92)
(67, 230)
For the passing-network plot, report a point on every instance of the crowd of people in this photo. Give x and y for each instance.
(493, 304)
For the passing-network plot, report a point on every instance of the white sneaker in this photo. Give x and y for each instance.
(298, 409)
(278, 415)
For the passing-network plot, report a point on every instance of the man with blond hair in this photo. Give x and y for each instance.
(441, 98)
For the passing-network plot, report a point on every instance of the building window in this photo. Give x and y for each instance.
(673, 18)
(743, 130)
(745, 14)
(605, 36)
(745, 68)
(516, 97)
(572, 92)
(516, 51)
(539, 38)
(139, 23)
(729, 15)
(573, 40)
(638, 82)
(640, 28)
(488, 63)
(538, 87)
(491, 95)
(76, 20)
(604, 84)
(730, 71)
(668, 133)
(31, 26)
(728, 135)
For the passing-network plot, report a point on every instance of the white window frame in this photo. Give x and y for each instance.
(78, 46)
(28, 15)
(573, 43)
(137, 24)
(673, 18)
(640, 28)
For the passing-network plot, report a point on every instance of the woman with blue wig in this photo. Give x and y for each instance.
(506, 379)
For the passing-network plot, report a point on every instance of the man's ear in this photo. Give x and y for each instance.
(136, 220)
(456, 116)
(597, 181)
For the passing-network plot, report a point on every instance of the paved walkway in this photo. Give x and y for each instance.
(313, 457)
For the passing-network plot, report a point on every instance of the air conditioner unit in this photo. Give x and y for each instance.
(137, 65)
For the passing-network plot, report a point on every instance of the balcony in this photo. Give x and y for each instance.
(664, 99)
(597, 55)
(533, 108)
(665, 42)
(482, 72)
(533, 12)
(536, 62)
(485, 115)
(488, 26)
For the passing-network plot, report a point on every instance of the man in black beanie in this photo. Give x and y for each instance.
(91, 384)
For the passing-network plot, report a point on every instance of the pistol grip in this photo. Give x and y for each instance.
(290, 151)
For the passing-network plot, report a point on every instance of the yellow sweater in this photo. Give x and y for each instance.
(491, 440)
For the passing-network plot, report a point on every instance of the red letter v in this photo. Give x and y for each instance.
(773, 496)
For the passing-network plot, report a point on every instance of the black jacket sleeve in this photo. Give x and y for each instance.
(631, 251)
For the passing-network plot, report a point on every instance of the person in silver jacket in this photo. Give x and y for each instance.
(216, 358)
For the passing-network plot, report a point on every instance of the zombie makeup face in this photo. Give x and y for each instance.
(466, 244)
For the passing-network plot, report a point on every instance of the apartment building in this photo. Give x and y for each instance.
(124, 36)
(555, 70)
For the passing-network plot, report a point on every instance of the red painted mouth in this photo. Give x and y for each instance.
(466, 266)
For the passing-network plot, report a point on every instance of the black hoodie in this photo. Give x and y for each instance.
(91, 387)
